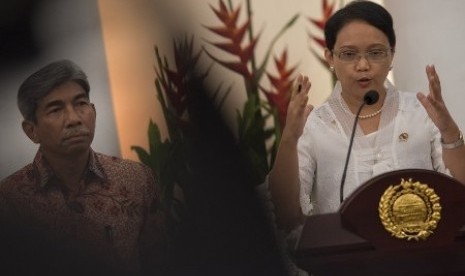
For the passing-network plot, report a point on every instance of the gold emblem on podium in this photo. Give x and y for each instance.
(410, 210)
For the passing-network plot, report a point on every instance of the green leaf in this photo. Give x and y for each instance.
(144, 156)
(154, 137)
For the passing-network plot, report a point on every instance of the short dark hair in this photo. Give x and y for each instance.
(369, 12)
(42, 82)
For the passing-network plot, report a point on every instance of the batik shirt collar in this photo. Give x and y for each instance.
(45, 174)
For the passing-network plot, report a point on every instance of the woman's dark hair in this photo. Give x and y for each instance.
(42, 82)
(369, 12)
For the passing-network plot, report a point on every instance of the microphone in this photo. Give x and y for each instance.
(371, 97)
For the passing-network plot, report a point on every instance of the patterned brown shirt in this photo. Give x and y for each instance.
(103, 222)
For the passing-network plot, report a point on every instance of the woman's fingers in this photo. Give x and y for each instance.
(434, 83)
(302, 84)
(434, 103)
(301, 88)
(298, 109)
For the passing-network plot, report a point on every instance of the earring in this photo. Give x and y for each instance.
(331, 68)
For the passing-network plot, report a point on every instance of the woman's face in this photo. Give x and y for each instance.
(361, 58)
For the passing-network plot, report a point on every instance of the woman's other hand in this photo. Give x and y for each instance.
(298, 109)
(436, 108)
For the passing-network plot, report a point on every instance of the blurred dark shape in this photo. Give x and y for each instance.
(225, 231)
(17, 32)
(219, 227)
(25, 251)
(222, 227)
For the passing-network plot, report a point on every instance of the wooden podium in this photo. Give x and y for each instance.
(354, 240)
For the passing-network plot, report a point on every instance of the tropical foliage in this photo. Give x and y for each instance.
(327, 10)
(169, 158)
(239, 42)
(259, 123)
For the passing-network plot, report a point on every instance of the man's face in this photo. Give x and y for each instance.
(65, 121)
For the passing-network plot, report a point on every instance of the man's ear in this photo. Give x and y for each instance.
(30, 129)
(95, 111)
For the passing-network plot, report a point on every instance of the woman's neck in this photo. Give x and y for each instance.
(353, 102)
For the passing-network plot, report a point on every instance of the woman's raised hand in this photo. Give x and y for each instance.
(298, 109)
(436, 108)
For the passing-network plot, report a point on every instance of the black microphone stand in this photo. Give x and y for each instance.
(371, 97)
(343, 180)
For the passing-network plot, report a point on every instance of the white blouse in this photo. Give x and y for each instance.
(406, 139)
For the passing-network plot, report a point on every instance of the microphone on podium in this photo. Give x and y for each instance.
(371, 97)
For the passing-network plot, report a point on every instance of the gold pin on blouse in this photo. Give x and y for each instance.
(403, 137)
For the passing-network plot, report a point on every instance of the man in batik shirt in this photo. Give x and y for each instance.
(72, 208)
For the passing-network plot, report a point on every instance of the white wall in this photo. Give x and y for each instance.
(431, 32)
(63, 29)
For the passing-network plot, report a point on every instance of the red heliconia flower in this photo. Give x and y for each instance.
(234, 35)
(177, 86)
(280, 95)
(327, 10)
